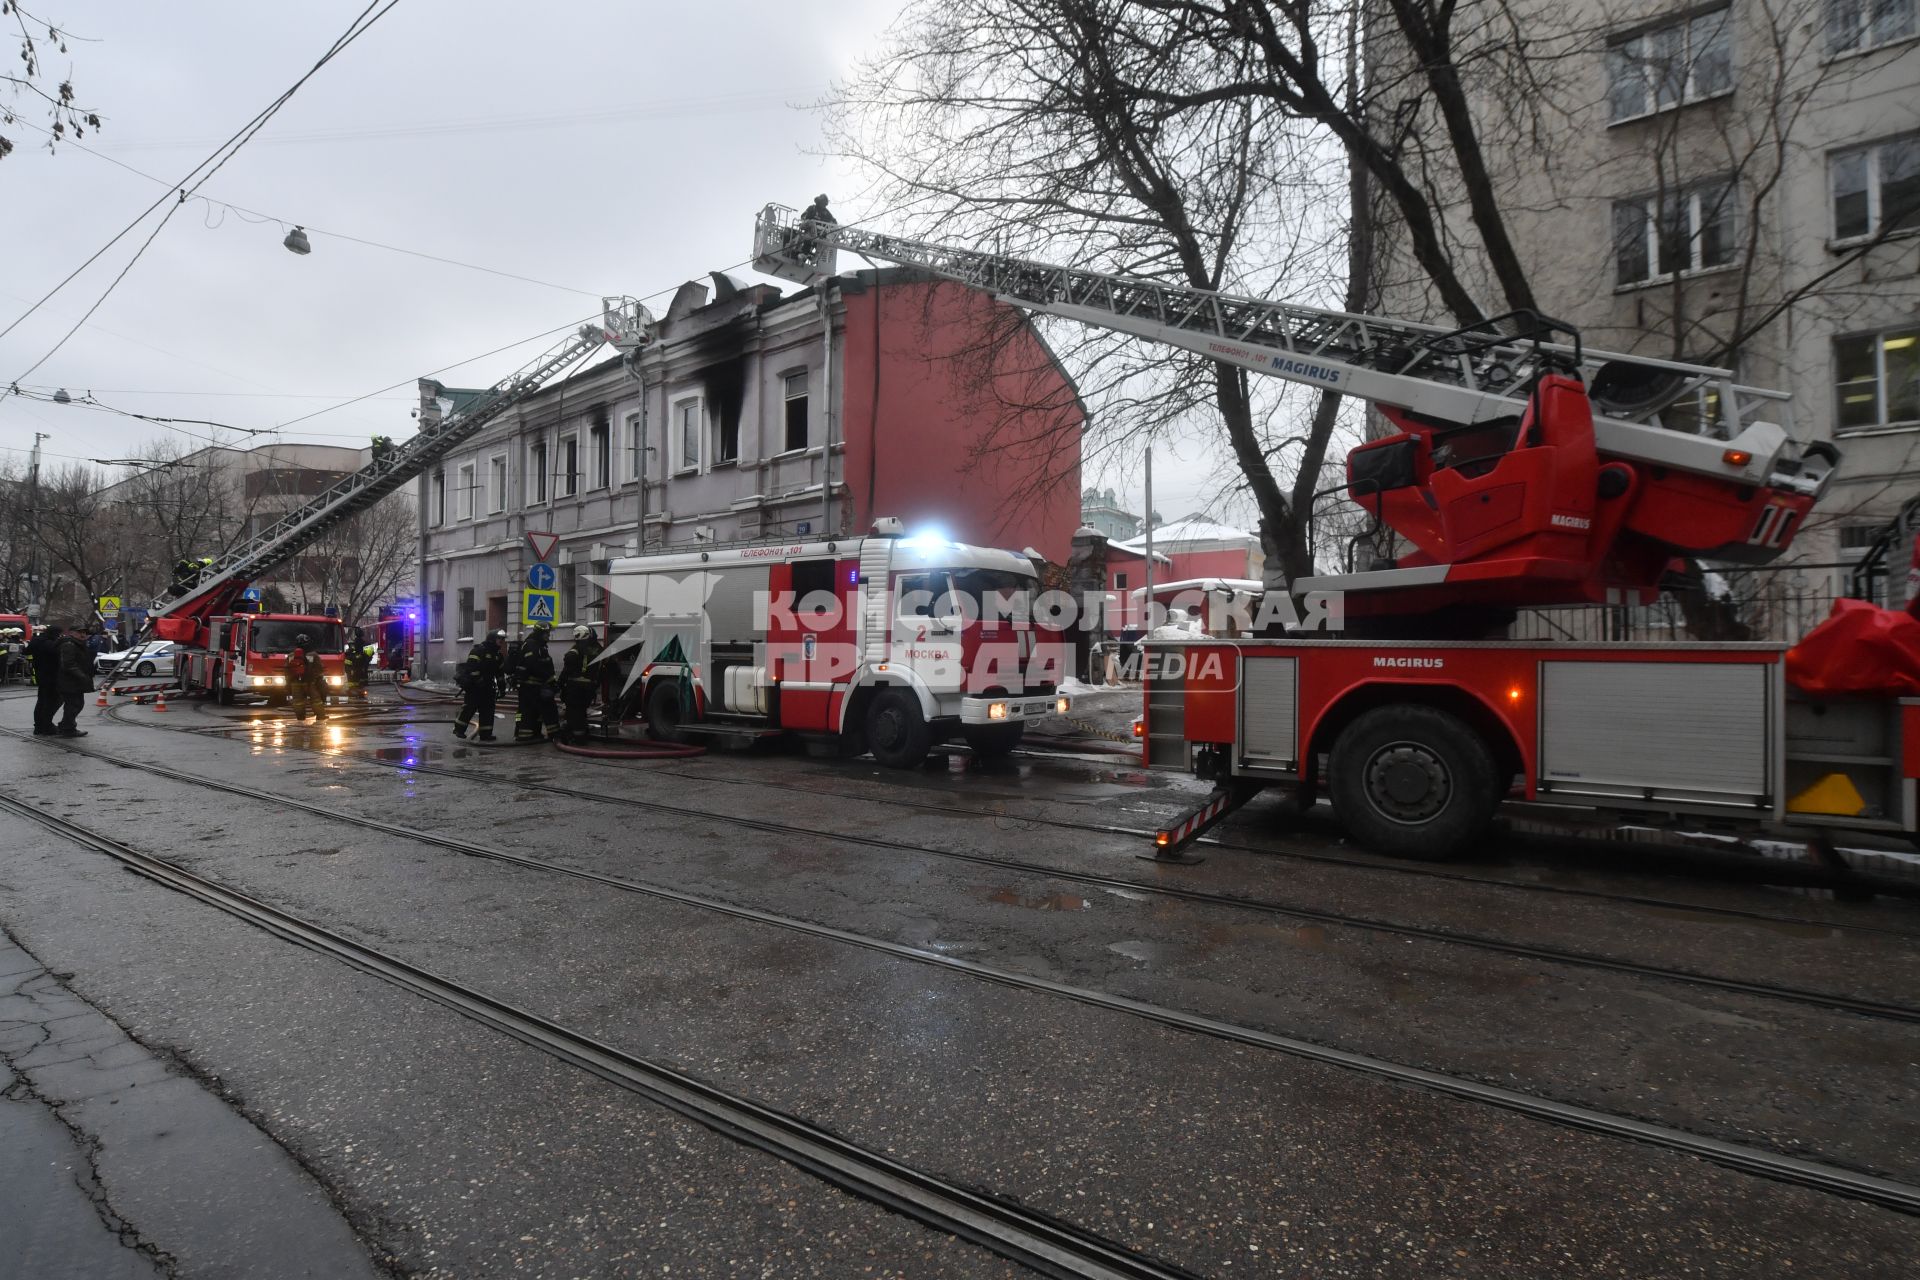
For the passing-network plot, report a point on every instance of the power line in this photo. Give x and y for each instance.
(218, 159)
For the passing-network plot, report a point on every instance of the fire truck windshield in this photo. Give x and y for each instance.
(994, 593)
(276, 635)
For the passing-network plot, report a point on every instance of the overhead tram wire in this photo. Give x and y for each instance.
(195, 179)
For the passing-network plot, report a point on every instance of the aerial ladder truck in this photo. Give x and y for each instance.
(225, 650)
(1525, 471)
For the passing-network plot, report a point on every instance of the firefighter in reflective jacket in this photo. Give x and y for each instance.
(359, 661)
(306, 680)
(480, 679)
(577, 683)
(533, 672)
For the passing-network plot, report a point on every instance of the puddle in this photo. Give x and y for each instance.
(1144, 952)
(1051, 902)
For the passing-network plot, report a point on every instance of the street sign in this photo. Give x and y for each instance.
(542, 576)
(539, 606)
(109, 604)
(251, 593)
(542, 544)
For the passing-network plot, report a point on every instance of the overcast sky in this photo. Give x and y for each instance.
(607, 146)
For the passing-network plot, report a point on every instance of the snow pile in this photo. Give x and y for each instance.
(1074, 688)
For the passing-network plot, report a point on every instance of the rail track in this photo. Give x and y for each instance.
(1859, 1006)
(1827, 1177)
(1038, 1241)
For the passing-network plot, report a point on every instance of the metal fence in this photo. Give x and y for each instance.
(1776, 602)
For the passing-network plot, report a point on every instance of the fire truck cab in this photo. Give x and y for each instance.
(246, 653)
(882, 643)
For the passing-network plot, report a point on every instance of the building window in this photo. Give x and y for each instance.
(437, 501)
(795, 387)
(1688, 230)
(688, 421)
(726, 438)
(466, 614)
(600, 452)
(1853, 25)
(636, 443)
(1877, 379)
(568, 482)
(437, 615)
(1696, 413)
(537, 473)
(1876, 189)
(1119, 582)
(1685, 61)
(497, 483)
(463, 492)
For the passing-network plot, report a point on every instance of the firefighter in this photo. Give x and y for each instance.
(382, 448)
(480, 679)
(577, 683)
(814, 220)
(359, 662)
(44, 657)
(533, 671)
(306, 680)
(186, 573)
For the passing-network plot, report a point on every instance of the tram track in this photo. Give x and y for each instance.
(1823, 1176)
(1038, 1241)
(1854, 1005)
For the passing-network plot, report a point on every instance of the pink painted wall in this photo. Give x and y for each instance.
(987, 449)
(1185, 565)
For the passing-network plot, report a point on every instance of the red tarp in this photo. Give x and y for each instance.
(1860, 648)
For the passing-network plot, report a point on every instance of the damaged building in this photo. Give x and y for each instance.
(757, 415)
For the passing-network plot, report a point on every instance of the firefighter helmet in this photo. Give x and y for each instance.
(582, 632)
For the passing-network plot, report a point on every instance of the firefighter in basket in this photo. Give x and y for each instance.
(539, 686)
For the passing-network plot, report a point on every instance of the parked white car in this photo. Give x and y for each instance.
(154, 658)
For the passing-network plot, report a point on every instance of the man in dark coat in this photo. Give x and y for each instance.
(43, 655)
(480, 679)
(76, 681)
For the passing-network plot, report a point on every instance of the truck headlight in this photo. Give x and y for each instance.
(996, 711)
(1063, 705)
(336, 681)
(279, 679)
(260, 680)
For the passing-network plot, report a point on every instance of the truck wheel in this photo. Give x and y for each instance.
(663, 711)
(1412, 781)
(993, 740)
(897, 734)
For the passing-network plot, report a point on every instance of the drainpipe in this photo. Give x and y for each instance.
(826, 396)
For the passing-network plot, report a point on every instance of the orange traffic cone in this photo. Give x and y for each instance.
(160, 701)
(101, 701)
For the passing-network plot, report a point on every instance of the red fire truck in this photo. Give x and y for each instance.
(246, 653)
(1520, 470)
(886, 643)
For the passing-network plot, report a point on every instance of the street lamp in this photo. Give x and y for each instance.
(296, 242)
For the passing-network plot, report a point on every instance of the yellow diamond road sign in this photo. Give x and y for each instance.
(109, 604)
(539, 606)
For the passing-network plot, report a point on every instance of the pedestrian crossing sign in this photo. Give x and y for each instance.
(539, 606)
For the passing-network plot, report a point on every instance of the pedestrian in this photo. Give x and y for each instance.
(306, 680)
(44, 657)
(75, 681)
(533, 670)
(577, 683)
(98, 641)
(480, 678)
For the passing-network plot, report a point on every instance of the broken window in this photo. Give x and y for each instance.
(796, 411)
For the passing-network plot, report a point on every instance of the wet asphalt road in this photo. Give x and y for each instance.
(444, 1149)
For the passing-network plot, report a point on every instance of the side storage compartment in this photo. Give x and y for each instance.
(1846, 762)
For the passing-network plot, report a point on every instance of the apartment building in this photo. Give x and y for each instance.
(757, 414)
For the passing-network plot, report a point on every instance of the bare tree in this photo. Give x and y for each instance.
(357, 566)
(88, 540)
(40, 39)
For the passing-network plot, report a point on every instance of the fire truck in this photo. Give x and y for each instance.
(884, 643)
(246, 653)
(1522, 470)
(227, 651)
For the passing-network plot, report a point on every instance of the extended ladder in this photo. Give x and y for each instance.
(1462, 376)
(624, 323)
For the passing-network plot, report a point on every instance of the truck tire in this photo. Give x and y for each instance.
(992, 741)
(1413, 781)
(663, 712)
(897, 734)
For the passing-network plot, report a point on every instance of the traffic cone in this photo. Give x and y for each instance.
(101, 701)
(160, 701)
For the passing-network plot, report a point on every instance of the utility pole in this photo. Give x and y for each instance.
(1146, 602)
(34, 602)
